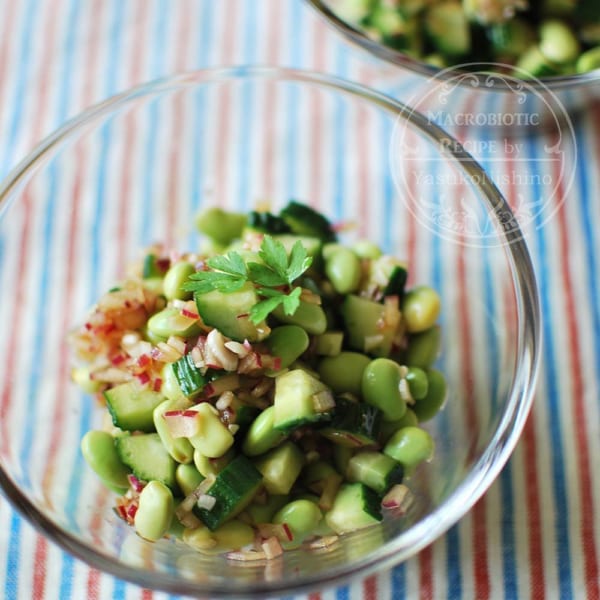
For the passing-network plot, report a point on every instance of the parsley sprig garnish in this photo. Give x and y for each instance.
(273, 278)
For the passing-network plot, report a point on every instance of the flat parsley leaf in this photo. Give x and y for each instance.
(273, 279)
(229, 274)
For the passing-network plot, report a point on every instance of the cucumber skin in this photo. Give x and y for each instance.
(353, 424)
(190, 379)
(355, 507)
(234, 488)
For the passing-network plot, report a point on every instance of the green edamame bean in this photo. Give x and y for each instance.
(420, 308)
(232, 535)
(301, 516)
(367, 249)
(188, 478)
(418, 382)
(557, 42)
(344, 270)
(213, 438)
(179, 448)
(288, 343)
(100, 453)
(344, 372)
(81, 376)
(170, 321)
(410, 446)
(428, 406)
(329, 249)
(221, 226)
(388, 428)
(380, 388)
(589, 60)
(262, 435)
(263, 513)
(311, 317)
(155, 511)
(423, 348)
(176, 276)
(211, 466)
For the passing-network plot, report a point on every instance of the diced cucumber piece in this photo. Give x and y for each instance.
(267, 222)
(355, 507)
(153, 268)
(294, 401)
(233, 490)
(280, 467)
(396, 282)
(131, 407)
(305, 221)
(148, 459)
(188, 376)
(366, 328)
(353, 424)
(375, 470)
(229, 313)
(329, 343)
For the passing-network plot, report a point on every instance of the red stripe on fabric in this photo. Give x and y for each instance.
(588, 535)
(93, 584)
(147, 594)
(478, 515)
(426, 574)
(532, 484)
(370, 588)
(174, 156)
(314, 596)
(39, 568)
(7, 40)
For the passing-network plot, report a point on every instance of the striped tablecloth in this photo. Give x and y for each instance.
(536, 533)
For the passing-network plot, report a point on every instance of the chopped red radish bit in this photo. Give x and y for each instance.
(398, 498)
(144, 360)
(288, 532)
(135, 483)
(143, 378)
(182, 423)
(157, 384)
(118, 359)
(121, 512)
(131, 510)
(189, 314)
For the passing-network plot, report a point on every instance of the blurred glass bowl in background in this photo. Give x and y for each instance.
(135, 170)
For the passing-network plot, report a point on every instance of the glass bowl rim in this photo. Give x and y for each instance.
(485, 81)
(498, 449)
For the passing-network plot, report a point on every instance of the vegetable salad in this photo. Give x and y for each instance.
(266, 393)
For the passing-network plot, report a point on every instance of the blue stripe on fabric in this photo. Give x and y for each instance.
(21, 80)
(552, 367)
(506, 489)
(13, 558)
(398, 582)
(243, 167)
(588, 199)
(339, 139)
(342, 593)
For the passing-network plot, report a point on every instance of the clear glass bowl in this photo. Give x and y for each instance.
(547, 95)
(135, 170)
